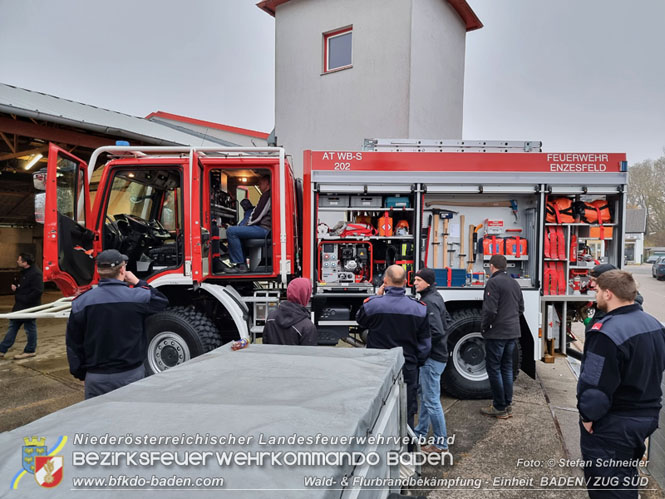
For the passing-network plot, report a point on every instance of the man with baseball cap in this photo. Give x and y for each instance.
(106, 342)
(594, 313)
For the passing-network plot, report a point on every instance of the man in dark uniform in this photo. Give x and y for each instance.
(619, 389)
(106, 342)
(396, 320)
(503, 304)
(27, 294)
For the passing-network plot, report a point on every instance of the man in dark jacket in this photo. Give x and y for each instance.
(396, 320)
(258, 226)
(503, 304)
(431, 371)
(106, 341)
(290, 323)
(27, 293)
(619, 388)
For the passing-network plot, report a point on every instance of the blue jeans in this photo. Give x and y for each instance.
(430, 403)
(236, 233)
(30, 326)
(499, 365)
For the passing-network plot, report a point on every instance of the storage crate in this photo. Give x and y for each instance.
(600, 232)
(450, 277)
(398, 202)
(334, 201)
(366, 202)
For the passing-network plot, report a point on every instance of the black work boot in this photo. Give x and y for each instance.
(239, 268)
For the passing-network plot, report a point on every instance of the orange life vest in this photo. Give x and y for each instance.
(561, 211)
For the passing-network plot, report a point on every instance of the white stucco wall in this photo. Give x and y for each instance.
(437, 71)
(379, 96)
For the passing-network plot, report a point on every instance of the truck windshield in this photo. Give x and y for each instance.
(130, 198)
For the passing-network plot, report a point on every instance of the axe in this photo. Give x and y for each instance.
(446, 215)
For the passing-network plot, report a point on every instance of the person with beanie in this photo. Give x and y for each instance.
(431, 410)
(290, 323)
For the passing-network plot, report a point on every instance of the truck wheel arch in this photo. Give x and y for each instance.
(227, 297)
(177, 335)
(465, 376)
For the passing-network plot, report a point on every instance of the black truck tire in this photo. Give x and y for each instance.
(465, 376)
(177, 335)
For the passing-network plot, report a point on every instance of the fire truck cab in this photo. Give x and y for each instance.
(167, 210)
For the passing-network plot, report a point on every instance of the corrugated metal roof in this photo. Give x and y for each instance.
(37, 105)
(636, 221)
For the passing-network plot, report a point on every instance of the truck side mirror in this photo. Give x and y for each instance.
(40, 207)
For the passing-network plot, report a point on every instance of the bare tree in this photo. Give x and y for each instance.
(646, 189)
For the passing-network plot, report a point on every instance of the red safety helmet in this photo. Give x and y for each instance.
(402, 228)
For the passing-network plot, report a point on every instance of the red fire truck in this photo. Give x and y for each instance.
(442, 204)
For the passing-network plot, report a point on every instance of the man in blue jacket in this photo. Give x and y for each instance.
(619, 389)
(396, 320)
(106, 341)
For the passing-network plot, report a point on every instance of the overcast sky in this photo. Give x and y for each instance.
(580, 75)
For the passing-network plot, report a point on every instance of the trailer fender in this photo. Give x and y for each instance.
(233, 303)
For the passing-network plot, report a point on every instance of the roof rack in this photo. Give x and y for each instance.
(419, 145)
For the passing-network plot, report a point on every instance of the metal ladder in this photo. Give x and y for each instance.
(418, 145)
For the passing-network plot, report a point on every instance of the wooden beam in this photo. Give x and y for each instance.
(63, 135)
(22, 200)
(4, 137)
(24, 153)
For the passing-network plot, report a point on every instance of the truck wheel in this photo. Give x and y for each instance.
(177, 335)
(465, 376)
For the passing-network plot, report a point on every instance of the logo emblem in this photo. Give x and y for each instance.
(48, 470)
(33, 447)
(46, 466)
(596, 326)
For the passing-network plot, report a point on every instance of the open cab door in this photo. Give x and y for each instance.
(69, 259)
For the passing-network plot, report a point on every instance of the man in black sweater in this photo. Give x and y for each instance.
(503, 304)
(106, 341)
(619, 389)
(27, 293)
